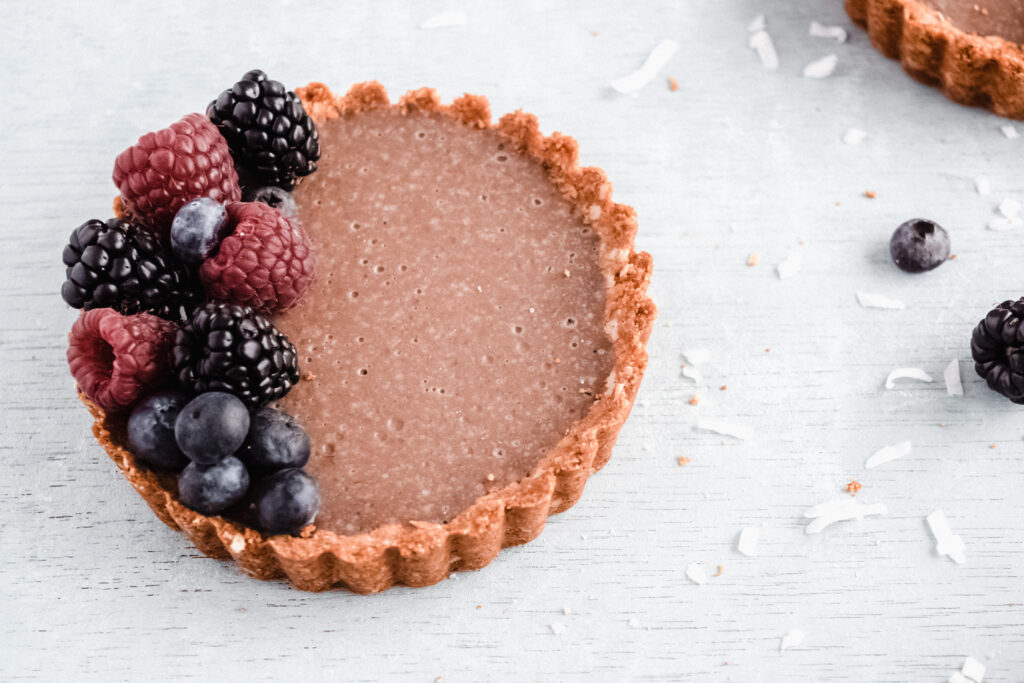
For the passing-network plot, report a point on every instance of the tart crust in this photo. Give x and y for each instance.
(978, 71)
(424, 553)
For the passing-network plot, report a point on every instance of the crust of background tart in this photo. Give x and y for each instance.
(424, 553)
(978, 71)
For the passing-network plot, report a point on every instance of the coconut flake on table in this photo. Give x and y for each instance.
(792, 639)
(634, 623)
(791, 266)
(954, 386)
(869, 300)
(839, 510)
(747, 545)
(633, 83)
(837, 33)
(854, 136)
(762, 43)
(1010, 131)
(696, 573)
(446, 19)
(726, 428)
(696, 356)
(888, 454)
(982, 185)
(690, 372)
(1009, 208)
(906, 373)
(757, 24)
(947, 543)
(1001, 224)
(557, 628)
(973, 669)
(957, 677)
(821, 68)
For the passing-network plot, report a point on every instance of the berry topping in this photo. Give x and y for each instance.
(166, 169)
(268, 131)
(211, 427)
(116, 359)
(210, 489)
(997, 346)
(226, 347)
(197, 229)
(919, 245)
(275, 198)
(266, 262)
(276, 441)
(118, 265)
(287, 501)
(151, 430)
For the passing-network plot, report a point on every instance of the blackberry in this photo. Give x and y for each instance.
(125, 267)
(268, 131)
(232, 348)
(997, 346)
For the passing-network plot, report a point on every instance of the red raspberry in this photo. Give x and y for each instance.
(170, 167)
(266, 262)
(116, 359)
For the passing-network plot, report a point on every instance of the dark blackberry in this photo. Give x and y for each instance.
(232, 348)
(125, 267)
(269, 133)
(997, 346)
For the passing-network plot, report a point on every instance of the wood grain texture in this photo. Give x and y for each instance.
(739, 160)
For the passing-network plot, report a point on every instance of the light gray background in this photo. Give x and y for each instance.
(739, 160)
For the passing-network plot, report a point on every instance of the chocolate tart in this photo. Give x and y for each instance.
(972, 50)
(428, 493)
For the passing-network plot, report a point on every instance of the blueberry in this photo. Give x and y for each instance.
(277, 198)
(275, 441)
(210, 489)
(212, 426)
(919, 245)
(151, 430)
(287, 501)
(197, 229)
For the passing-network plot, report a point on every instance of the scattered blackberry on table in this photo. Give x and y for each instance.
(211, 427)
(276, 441)
(151, 431)
(170, 167)
(997, 346)
(117, 359)
(275, 198)
(265, 262)
(267, 129)
(211, 489)
(119, 265)
(232, 348)
(287, 501)
(919, 245)
(197, 229)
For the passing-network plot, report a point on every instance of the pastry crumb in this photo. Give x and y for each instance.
(723, 387)
(753, 259)
(695, 400)
(853, 487)
(870, 194)
(992, 446)
(566, 273)
(673, 84)
(308, 376)
(683, 461)
(718, 571)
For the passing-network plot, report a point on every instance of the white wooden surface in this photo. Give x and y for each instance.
(739, 160)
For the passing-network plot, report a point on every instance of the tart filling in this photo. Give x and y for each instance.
(1002, 18)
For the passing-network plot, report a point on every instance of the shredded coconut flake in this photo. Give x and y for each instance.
(791, 266)
(854, 136)
(757, 24)
(973, 669)
(954, 387)
(1009, 208)
(869, 300)
(558, 628)
(821, 68)
(695, 573)
(634, 623)
(696, 356)
(888, 454)
(446, 19)
(947, 543)
(792, 639)
(726, 428)
(1010, 131)
(1001, 224)
(762, 42)
(906, 373)
(839, 510)
(633, 83)
(982, 185)
(957, 677)
(693, 373)
(837, 33)
(747, 544)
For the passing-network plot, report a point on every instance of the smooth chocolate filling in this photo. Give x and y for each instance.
(1003, 18)
(455, 330)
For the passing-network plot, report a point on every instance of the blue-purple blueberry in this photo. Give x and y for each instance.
(151, 431)
(275, 197)
(276, 441)
(212, 426)
(197, 230)
(211, 489)
(287, 501)
(919, 245)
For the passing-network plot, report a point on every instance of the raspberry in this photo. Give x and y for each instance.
(266, 262)
(165, 169)
(116, 359)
